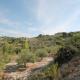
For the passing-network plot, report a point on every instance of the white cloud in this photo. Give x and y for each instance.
(61, 28)
(14, 27)
(8, 22)
(46, 15)
(41, 9)
(47, 26)
(4, 19)
(15, 30)
(14, 33)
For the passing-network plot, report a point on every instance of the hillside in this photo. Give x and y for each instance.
(66, 65)
(63, 47)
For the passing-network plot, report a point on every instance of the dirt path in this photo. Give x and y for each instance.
(30, 66)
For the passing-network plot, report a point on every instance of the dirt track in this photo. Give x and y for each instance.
(30, 66)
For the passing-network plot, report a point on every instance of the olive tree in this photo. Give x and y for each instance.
(26, 57)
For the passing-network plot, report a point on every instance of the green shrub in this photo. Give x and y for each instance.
(41, 53)
(26, 57)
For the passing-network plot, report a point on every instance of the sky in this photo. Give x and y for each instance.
(28, 18)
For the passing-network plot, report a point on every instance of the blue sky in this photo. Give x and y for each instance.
(29, 18)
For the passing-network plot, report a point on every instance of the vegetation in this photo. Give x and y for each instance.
(41, 53)
(25, 57)
(70, 47)
(62, 46)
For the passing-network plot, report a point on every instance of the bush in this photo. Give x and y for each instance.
(65, 54)
(26, 57)
(52, 72)
(41, 53)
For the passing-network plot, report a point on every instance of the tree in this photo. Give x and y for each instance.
(26, 44)
(25, 57)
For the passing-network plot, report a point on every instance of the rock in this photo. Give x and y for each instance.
(71, 70)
